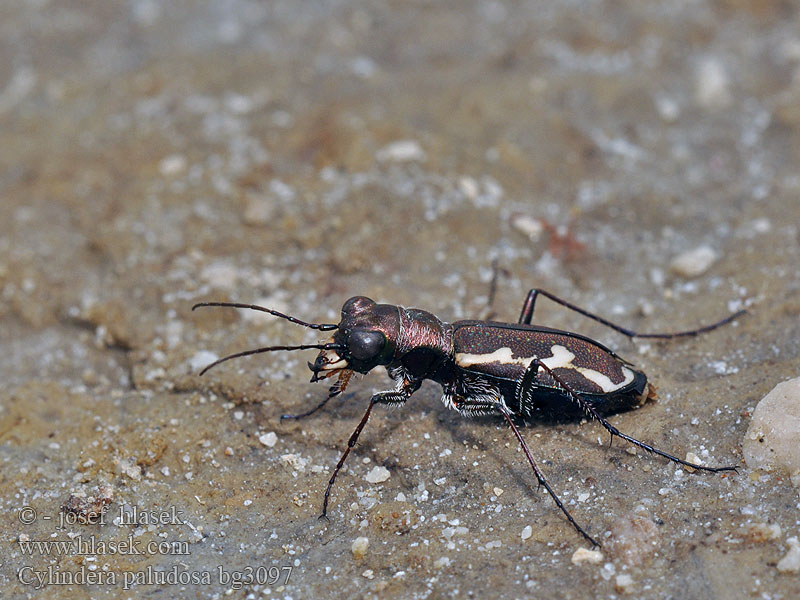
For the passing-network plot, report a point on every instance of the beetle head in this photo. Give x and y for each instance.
(365, 338)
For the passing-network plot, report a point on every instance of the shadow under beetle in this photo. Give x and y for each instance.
(484, 367)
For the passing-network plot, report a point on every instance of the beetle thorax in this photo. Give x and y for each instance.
(420, 330)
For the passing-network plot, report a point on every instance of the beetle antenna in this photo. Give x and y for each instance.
(328, 346)
(295, 320)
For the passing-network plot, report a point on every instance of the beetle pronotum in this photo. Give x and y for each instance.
(484, 367)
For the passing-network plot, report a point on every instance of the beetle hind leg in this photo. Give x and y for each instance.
(526, 316)
(592, 413)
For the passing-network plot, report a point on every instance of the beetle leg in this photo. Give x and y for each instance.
(336, 389)
(389, 397)
(592, 413)
(500, 407)
(526, 316)
(350, 443)
(307, 413)
(497, 270)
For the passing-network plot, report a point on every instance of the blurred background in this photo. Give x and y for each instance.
(640, 160)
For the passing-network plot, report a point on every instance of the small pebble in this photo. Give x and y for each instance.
(624, 583)
(269, 439)
(712, 84)
(527, 532)
(295, 461)
(790, 563)
(469, 187)
(359, 547)
(693, 262)
(368, 574)
(582, 555)
(378, 475)
(527, 225)
(131, 470)
(259, 210)
(692, 458)
(401, 151)
(172, 164)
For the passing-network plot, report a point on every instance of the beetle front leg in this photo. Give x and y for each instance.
(350, 443)
(337, 388)
(391, 398)
(395, 397)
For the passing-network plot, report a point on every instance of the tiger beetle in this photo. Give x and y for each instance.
(516, 370)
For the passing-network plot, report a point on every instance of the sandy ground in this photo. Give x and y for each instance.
(153, 155)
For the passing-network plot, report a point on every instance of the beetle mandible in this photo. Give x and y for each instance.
(514, 370)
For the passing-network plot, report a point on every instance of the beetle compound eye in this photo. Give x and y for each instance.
(365, 345)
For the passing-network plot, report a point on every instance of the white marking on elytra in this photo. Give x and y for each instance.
(561, 359)
(501, 355)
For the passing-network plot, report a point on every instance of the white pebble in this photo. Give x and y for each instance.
(269, 439)
(378, 475)
(527, 532)
(401, 151)
(692, 458)
(581, 555)
(297, 462)
(469, 187)
(126, 467)
(527, 225)
(771, 440)
(790, 563)
(359, 547)
(172, 164)
(259, 210)
(693, 262)
(712, 84)
(624, 583)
